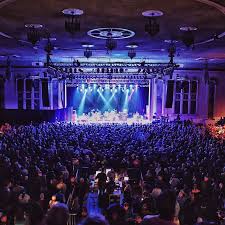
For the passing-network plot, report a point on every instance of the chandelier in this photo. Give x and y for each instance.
(72, 20)
(188, 36)
(87, 53)
(110, 42)
(152, 26)
(132, 51)
(33, 33)
(172, 52)
(49, 47)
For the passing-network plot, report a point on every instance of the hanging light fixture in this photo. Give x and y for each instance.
(188, 36)
(169, 69)
(172, 51)
(72, 20)
(110, 42)
(87, 51)
(152, 26)
(48, 49)
(33, 33)
(132, 51)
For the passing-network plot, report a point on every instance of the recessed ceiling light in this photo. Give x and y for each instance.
(152, 13)
(86, 45)
(170, 41)
(188, 28)
(73, 12)
(34, 25)
(132, 45)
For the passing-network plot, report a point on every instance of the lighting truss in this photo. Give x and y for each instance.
(113, 74)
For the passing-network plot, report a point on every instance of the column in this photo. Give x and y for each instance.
(189, 97)
(203, 97)
(149, 100)
(152, 98)
(163, 97)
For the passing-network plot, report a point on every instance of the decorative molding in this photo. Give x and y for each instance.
(216, 6)
(6, 2)
(213, 4)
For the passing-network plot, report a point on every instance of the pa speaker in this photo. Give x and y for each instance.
(169, 94)
(45, 94)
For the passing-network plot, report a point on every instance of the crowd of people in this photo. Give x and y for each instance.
(221, 122)
(180, 163)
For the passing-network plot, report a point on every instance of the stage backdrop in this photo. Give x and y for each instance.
(84, 99)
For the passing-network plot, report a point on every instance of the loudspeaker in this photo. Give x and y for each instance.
(45, 94)
(2, 93)
(169, 94)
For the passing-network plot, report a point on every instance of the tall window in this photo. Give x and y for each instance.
(36, 85)
(178, 97)
(20, 89)
(186, 97)
(193, 97)
(28, 94)
(185, 87)
(211, 99)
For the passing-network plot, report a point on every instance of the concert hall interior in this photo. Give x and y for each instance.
(66, 60)
(112, 112)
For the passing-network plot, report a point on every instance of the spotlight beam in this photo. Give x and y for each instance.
(108, 103)
(82, 103)
(130, 96)
(125, 105)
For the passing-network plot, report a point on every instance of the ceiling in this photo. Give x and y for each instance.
(204, 15)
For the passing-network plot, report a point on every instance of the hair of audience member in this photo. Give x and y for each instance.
(94, 220)
(36, 213)
(166, 203)
(115, 213)
(57, 215)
